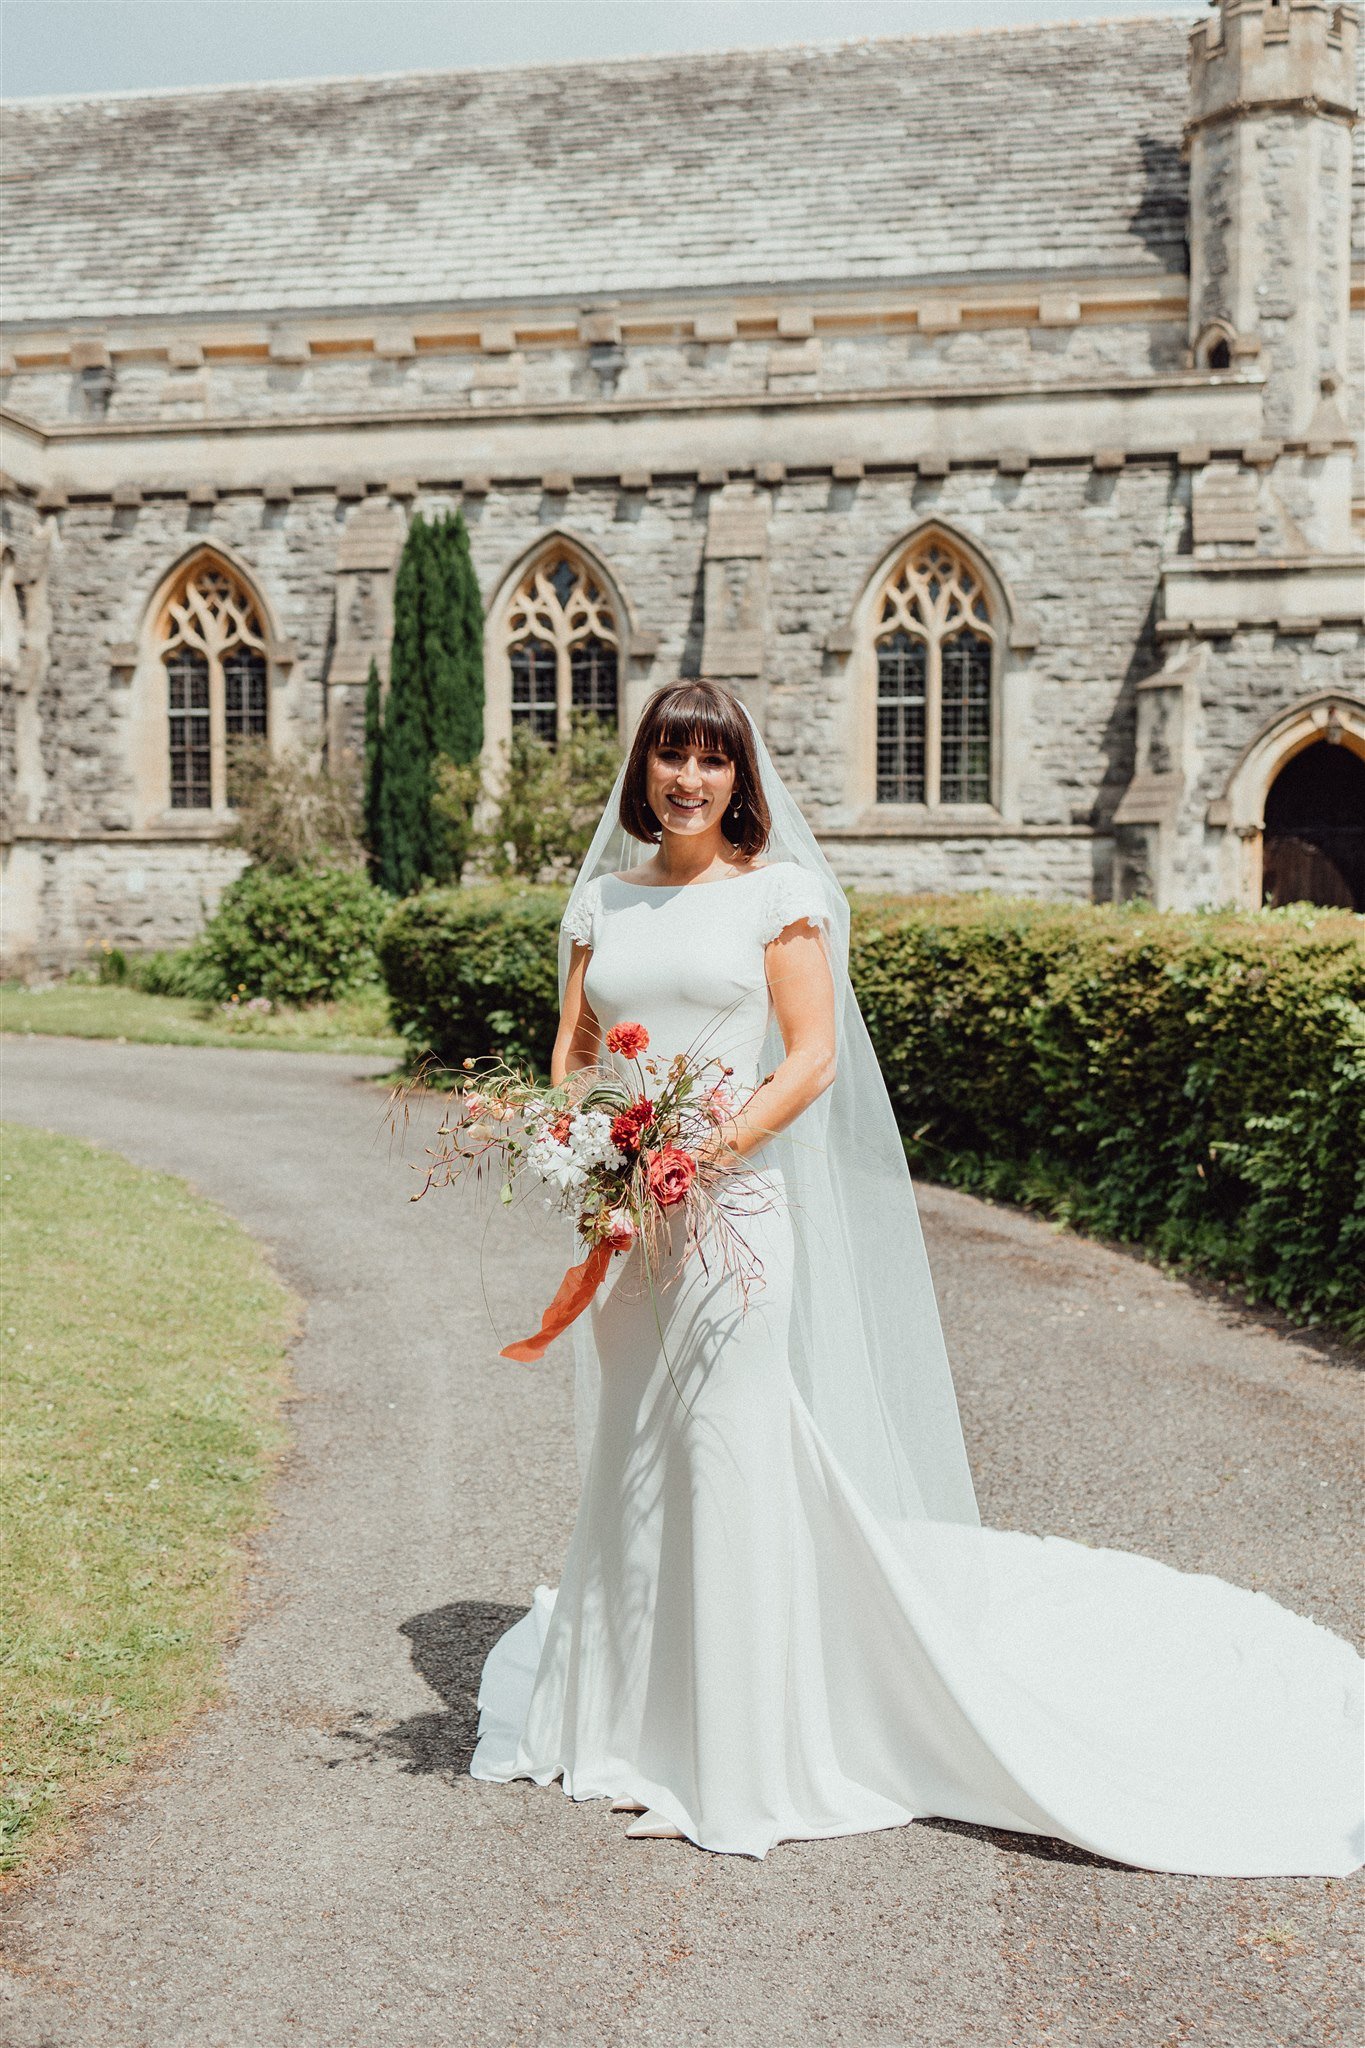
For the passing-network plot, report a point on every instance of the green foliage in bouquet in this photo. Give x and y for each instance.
(1192, 1083)
(472, 972)
(301, 937)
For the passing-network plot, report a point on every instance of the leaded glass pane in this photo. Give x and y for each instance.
(562, 579)
(965, 747)
(902, 680)
(592, 678)
(533, 687)
(187, 677)
(244, 692)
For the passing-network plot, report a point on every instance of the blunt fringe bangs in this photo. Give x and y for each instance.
(704, 715)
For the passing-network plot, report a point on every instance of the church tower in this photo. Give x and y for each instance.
(1272, 103)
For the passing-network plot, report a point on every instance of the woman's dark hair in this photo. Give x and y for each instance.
(703, 715)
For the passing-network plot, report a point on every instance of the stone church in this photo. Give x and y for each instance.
(985, 408)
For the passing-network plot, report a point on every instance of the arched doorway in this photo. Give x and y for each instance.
(1314, 845)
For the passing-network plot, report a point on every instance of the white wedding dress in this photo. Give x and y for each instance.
(742, 1644)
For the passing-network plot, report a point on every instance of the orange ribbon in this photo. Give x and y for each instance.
(575, 1291)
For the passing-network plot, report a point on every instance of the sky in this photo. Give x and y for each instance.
(74, 46)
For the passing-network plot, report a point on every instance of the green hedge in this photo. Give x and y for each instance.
(1193, 1083)
(297, 936)
(474, 970)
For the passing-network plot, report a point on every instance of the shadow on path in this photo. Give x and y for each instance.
(449, 1645)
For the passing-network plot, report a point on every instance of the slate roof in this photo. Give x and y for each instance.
(1041, 149)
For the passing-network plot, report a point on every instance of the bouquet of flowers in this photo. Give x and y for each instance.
(631, 1151)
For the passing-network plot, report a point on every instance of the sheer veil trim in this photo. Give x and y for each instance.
(866, 1344)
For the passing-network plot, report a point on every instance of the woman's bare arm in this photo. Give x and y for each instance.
(578, 1040)
(803, 1002)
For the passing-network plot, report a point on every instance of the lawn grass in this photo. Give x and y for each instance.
(81, 1009)
(142, 1342)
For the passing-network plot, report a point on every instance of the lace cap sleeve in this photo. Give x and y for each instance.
(792, 895)
(580, 917)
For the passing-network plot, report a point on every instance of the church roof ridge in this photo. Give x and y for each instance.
(623, 58)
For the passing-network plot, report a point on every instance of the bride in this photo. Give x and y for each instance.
(779, 1617)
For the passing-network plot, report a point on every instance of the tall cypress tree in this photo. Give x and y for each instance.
(406, 788)
(435, 701)
(374, 768)
(456, 639)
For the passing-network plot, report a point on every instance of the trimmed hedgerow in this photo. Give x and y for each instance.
(473, 971)
(1193, 1083)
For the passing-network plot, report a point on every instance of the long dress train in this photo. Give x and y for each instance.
(739, 1642)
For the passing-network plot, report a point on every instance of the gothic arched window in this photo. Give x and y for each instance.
(213, 648)
(935, 643)
(563, 646)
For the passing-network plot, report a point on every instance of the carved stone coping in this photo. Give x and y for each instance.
(52, 499)
(1012, 461)
(277, 490)
(635, 479)
(476, 486)
(1108, 458)
(289, 349)
(90, 352)
(556, 483)
(402, 487)
(1150, 800)
(202, 494)
(712, 477)
(847, 471)
(771, 473)
(125, 496)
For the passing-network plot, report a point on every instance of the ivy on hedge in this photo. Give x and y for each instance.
(1194, 1083)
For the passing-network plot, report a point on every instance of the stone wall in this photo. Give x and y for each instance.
(142, 384)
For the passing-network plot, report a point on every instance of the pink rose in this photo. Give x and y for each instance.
(620, 1231)
(670, 1173)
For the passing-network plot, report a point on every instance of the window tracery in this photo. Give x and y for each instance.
(935, 643)
(563, 647)
(212, 645)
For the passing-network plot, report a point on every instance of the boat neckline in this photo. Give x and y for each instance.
(716, 882)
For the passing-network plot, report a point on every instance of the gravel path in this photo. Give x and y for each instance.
(310, 1864)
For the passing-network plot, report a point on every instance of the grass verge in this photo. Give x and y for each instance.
(142, 1337)
(74, 1009)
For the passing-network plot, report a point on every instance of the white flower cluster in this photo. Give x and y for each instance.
(565, 1165)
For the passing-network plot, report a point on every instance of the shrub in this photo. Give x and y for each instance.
(550, 801)
(298, 938)
(184, 973)
(1193, 1083)
(291, 812)
(473, 971)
